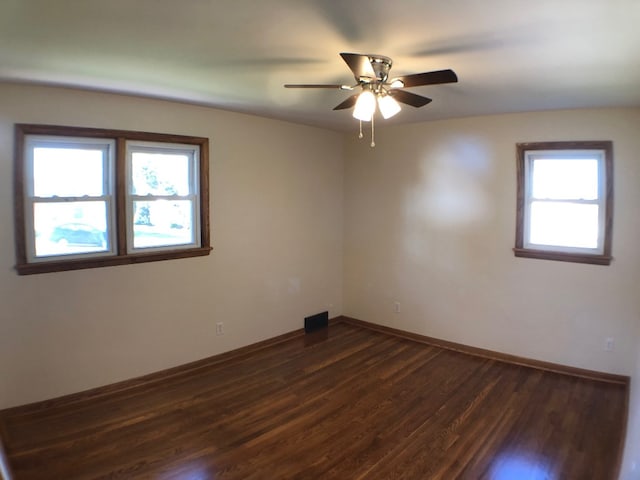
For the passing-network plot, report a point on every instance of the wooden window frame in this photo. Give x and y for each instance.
(520, 250)
(121, 256)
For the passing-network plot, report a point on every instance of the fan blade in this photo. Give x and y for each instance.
(410, 98)
(359, 65)
(429, 78)
(348, 103)
(311, 85)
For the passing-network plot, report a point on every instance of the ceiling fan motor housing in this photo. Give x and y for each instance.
(381, 66)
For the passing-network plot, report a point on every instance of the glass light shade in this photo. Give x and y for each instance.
(388, 106)
(365, 106)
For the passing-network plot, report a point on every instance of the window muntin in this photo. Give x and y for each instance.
(565, 201)
(69, 200)
(75, 197)
(162, 202)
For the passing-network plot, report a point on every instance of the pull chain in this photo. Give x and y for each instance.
(373, 139)
(360, 135)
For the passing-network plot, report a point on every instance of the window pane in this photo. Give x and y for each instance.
(68, 172)
(160, 173)
(163, 222)
(564, 179)
(564, 224)
(70, 228)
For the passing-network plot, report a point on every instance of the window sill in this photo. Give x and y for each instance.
(64, 265)
(563, 256)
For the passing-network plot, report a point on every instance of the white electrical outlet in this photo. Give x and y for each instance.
(219, 328)
(396, 307)
(609, 344)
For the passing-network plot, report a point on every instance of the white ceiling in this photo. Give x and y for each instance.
(510, 55)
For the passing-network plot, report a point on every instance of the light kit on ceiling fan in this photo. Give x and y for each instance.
(365, 106)
(371, 73)
(388, 106)
(365, 109)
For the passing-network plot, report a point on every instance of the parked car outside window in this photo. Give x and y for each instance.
(78, 234)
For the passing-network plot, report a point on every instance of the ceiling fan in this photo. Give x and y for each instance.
(371, 73)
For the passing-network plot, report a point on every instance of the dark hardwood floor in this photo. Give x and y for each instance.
(357, 404)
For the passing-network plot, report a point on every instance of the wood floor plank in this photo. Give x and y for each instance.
(352, 404)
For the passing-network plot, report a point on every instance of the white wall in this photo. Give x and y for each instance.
(430, 223)
(276, 217)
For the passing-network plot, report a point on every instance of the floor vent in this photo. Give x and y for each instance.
(316, 322)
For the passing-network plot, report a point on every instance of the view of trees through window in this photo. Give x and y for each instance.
(72, 200)
(91, 197)
(162, 209)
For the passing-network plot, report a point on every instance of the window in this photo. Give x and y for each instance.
(87, 198)
(565, 201)
(162, 196)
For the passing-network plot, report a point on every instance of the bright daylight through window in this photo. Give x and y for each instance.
(88, 197)
(565, 201)
(162, 201)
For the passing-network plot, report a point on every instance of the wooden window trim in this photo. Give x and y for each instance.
(594, 259)
(23, 267)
